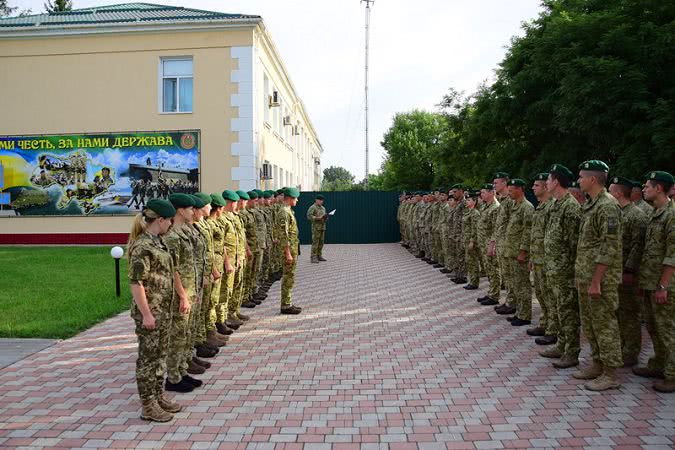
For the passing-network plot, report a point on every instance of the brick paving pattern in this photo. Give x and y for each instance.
(387, 354)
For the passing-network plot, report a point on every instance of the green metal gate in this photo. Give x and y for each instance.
(361, 218)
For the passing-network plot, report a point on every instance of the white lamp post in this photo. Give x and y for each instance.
(117, 253)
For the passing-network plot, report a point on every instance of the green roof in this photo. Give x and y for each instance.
(122, 13)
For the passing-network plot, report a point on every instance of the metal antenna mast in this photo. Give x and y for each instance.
(367, 2)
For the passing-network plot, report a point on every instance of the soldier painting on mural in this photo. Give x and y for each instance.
(316, 214)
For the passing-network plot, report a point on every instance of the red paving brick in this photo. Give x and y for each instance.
(387, 354)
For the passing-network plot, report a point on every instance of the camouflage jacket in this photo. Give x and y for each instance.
(470, 226)
(486, 224)
(561, 236)
(659, 247)
(633, 228)
(518, 229)
(248, 220)
(231, 238)
(218, 235)
(207, 234)
(200, 254)
(599, 239)
(314, 215)
(644, 206)
(261, 228)
(538, 231)
(179, 242)
(457, 229)
(288, 230)
(505, 204)
(150, 264)
(240, 234)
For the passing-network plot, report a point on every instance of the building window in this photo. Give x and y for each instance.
(176, 85)
(266, 100)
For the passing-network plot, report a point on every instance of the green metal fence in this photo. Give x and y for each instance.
(361, 217)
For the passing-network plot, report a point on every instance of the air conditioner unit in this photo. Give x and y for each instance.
(296, 130)
(287, 120)
(274, 99)
(266, 171)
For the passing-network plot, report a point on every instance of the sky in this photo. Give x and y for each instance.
(418, 50)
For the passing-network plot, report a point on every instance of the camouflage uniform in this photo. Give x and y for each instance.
(150, 264)
(258, 251)
(456, 236)
(444, 232)
(235, 300)
(230, 252)
(470, 236)
(204, 229)
(560, 249)
(537, 257)
(486, 226)
(248, 219)
(267, 253)
(288, 237)
(517, 238)
(179, 242)
(644, 206)
(659, 251)
(215, 314)
(600, 243)
(451, 254)
(633, 227)
(314, 214)
(505, 204)
(199, 246)
(436, 246)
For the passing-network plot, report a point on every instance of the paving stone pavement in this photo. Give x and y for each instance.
(388, 354)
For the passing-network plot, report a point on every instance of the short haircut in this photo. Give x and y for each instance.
(625, 190)
(665, 186)
(561, 179)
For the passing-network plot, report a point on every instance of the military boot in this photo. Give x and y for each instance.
(314, 260)
(291, 310)
(552, 352)
(168, 405)
(546, 340)
(153, 412)
(630, 361)
(566, 362)
(201, 362)
(605, 381)
(224, 329)
(648, 372)
(322, 259)
(195, 368)
(212, 340)
(665, 386)
(536, 331)
(243, 317)
(589, 372)
(234, 323)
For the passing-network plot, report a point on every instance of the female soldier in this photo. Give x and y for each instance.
(151, 283)
(180, 244)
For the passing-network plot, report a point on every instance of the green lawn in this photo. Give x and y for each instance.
(56, 292)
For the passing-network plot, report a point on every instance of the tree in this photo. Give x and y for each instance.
(5, 9)
(337, 179)
(58, 6)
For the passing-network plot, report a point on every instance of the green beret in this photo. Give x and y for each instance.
(488, 186)
(291, 192)
(320, 197)
(574, 185)
(474, 194)
(182, 200)
(458, 186)
(636, 184)
(660, 175)
(268, 194)
(561, 170)
(501, 175)
(243, 195)
(279, 192)
(594, 165)
(230, 195)
(516, 182)
(252, 195)
(199, 203)
(163, 208)
(206, 198)
(543, 176)
(621, 181)
(218, 200)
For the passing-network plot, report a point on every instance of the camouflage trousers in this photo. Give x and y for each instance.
(599, 323)
(567, 306)
(265, 268)
(460, 261)
(438, 247)
(288, 281)
(202, 323)
(505, 270)
(152, 354)
(661, 327)
(179, 337)
(629, 321)
(215, 308)
(521, 288)
(445, 249)
(549, 316)
(494, 276)
(251, 275)
(318, 238)
(237, 293)
(472, 259)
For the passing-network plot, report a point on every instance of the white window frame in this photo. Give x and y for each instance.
(160, 87)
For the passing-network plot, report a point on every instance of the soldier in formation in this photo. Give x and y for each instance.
(194, 261)
(599, 258)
